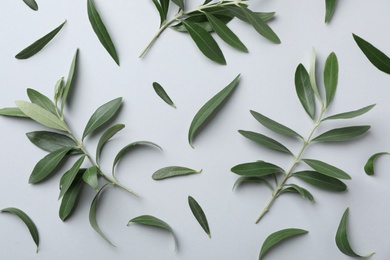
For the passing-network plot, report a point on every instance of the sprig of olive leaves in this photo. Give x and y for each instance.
(322, 175)
(212, 17)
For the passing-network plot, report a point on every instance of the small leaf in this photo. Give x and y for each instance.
(374, 55)
(27, 220)
(331, 75)
(102, 115)
(321, 181)
(41, 115)
(107, 135)
(71, 176)
(264, 141)
(206, 2)
(312, 75)
(70, 79)
(208, 109)
(274, 126)
(47, 165)
(199, 215)
(50, 141)
(350, 114)
(327, 169)
(369, 167)
(304, 90)
(256, 169)
(172, 171)
(179, 3)
(69, 201)
(297, 189)
(38, 45)
(342, 134)
(205, 42)
(162, 94)
(278, 236)
(32, 4)
(58, 90)
(330, 7)
(41, 100)
(90, 177)
(101, 31)
(92, 215)
(244, 179)
(342, 241)
(12, 111)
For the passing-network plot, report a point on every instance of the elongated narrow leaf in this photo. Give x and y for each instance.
(373, 54)
(331, 76)
(101, 31)
(237, 12)
(162, 94)
(179, 3)
(58, 90)
(327, 169)
(205, 42)
(165, 7)
(70, 199)
(41, 115)
(32, 4)
(369, 166)
(27, 220)
(277, 237)
(264, 141)
(342, 134)
(107, 135)
(297, 189)
(12, 112)
(70, 79)
(342, 240)
(90, 177)
(208, 109)
(321, 181)
(102, 115)
(38, 45)
(259, 25)
(173, 171)
(47, 165)
(274, 126)
(350, 114)
(71, 176)
(160, 11)
(245, 179)
(304, 90)
(206, 2)
(41, 100)
(201, 20)
(50, 141)
(330, 6)
(312, 74)
(225, 33)
(93, 212)
(199, 215)
(256, 169)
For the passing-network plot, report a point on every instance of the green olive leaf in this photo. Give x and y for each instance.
(173, 171)
(163, 15)
(32, 4)
(90, 177)
(265, 141)
(245, 179)
(327, 169)
(277, 237)
(304, 90)
(51, 141)
(256, 169)
(69, 80)
(199, 215)
(70, 199)
(58, 90)
(350, 114)
(71, 176)
(369, 166)
(107, 135)
(331, 75)
(165, 7)
(12, 112)
(237, 12)
(330, 6)
(41, 100)
(321, 181)
(179, 3)
(162, 94)
(201, 20)
(297, 189)
(209, 109)
(312, 75)
(38, 45)
(27, 220)
(342, 134)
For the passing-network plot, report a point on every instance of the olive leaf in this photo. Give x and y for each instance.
(51, 141)
(331, 75)
(27, 220)
(330, 6)
(179, 3)
(327, 169)
(38, 45)
(265, 141)
(350, 114)
(90, 177)
(312, 75)
(173, 171)
(342, 134)
(199, 215)
(69, 201)
(237, 12)
(69, 80)
(41, 100)
(107, 135)
(304, 90)
(32, 4)
(244, 179)
(297, 189)
(369, 166)
(321, 181)
(71, 176)
(12, 112)
(256, 169)
(162, 94)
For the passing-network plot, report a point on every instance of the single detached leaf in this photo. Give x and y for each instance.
(321, 181)
(27, 220)
(312, 75)
(350, 114)
(205, 42)
(327, 169)
(304, 90)
(12, 111)
(277, 237)
(331, 75)
(330, 7)
(264, 141)
(47, 165)
(101, 31)
(107, 135)
(342, 241)
(297, 189)
(102, 115)
(208, 109)
(173, 171)
(374, 55)
(256, 169)
(199, 215)
(90, 177)
(69, 80)
(162, 94)
(69, 201)
(41, 115)
(342, 134)
(41, 100)
(369, 167)
(39, 44)
(179, 3)
(274, 126)
(71, 176)
(50, 141)
(244, 179)
(32, 4)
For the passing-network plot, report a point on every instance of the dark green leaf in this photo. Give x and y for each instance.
(264, 141)
(172, 171)
(27, 220)
(41, 100)
(369, 167)
(70, 79)
(90, 177)
(297, 189)
(256, 169)
(330, 7)
(71, 176)
(209, 109)
(101, 31)
(160, 11)
(206, 2)
(32, 4)
(201, 20)
(331, 75)
(50, 141)
(199, 215)
(39, 44)
(179, 3)
(350, 114)
(244, 179)
(342, 134)
(205, 42)
(321, 181)
(327, 169)
(107, 135)
(165, 6)
(102, 115)
(304, 90)
(12, 111)
(237, 12)
(277, 237)
(69, 201)
(162, 94)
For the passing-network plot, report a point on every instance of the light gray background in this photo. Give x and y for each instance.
(267, 86)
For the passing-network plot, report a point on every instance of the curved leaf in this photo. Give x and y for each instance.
(331, 75)
(38, 45)
(199, 215)
(369, 166)
(90, 177)
(297, 189)
(265, 141)
(201, 20)
(179, 3)
(312, 75)
(12, 111)
(69, 201)
(50, 141)
(162, 94)
(107, 135)
(70, 79)
(41, 100)
(304, 90)
(256, 169)
(321, 181)
(32, 4)
(163, 15)
(244, 179)
(237, 12)
(330, 7)
(342, 134)
(208, 109)
(350, 114)
(71, 176)
(327, 169)
(173, 171)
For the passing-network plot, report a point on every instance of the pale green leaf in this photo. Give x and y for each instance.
(350, 114)
(245, 179)
(297, 189)
(173, 171)
(12, 112)
(312, 74)
(70, 79)
(90, 177)
(199, 215)
(107, 135)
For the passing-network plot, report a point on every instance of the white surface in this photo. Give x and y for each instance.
(267, 86)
